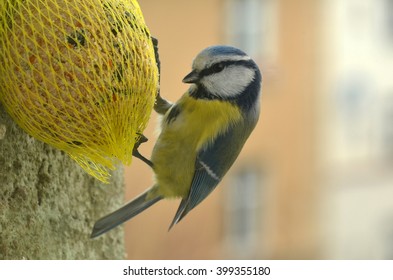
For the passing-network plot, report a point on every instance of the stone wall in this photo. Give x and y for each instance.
(48, 204)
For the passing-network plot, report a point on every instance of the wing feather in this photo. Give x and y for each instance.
(212, 163)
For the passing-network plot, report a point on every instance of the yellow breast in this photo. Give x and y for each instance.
(198, 123)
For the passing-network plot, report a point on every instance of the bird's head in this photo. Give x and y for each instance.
(224, 72)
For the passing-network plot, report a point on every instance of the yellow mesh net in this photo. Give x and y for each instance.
(79, 75)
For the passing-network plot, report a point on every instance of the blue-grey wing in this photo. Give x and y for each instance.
(212, 163)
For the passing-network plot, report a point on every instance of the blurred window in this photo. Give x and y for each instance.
(242, 214)
(387, 128)
(389, 19)
(252, 26)
(355, 103)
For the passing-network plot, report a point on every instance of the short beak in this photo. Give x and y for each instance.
(191, 78)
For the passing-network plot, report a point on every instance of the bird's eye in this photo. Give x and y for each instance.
(218, 67)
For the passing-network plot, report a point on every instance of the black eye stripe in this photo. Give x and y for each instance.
(215, 68)
(219, 66)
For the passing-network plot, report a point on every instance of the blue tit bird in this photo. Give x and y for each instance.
(201, 134)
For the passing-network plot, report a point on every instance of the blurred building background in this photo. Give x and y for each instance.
(314, 180)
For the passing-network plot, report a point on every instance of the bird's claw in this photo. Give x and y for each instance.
(142, 139)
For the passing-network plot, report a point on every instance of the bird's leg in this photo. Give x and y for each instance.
(142, 139)
(161, 106)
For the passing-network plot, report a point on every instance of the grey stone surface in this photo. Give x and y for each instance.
(48, 204)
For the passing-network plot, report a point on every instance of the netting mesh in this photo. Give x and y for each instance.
(78, 75)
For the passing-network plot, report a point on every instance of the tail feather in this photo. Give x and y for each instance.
(181, 212)
(125, 213)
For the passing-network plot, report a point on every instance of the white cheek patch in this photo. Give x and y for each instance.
(229, 82)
